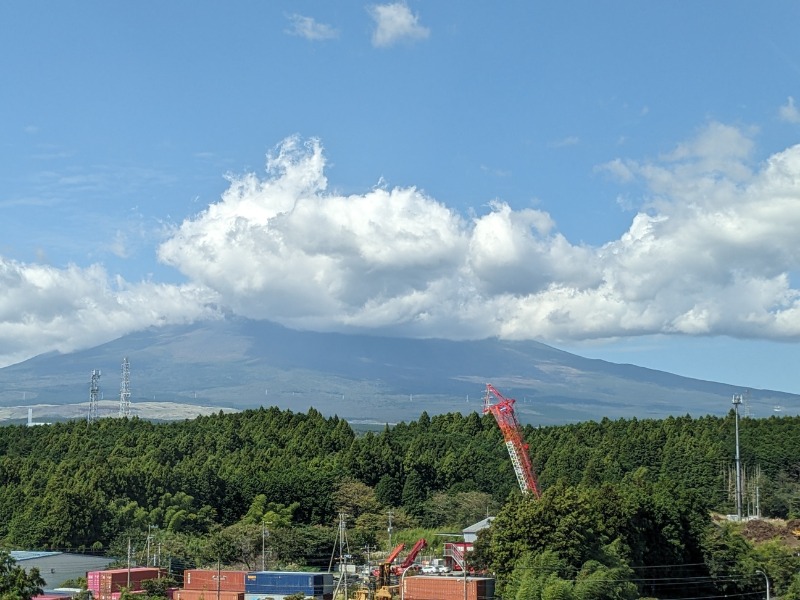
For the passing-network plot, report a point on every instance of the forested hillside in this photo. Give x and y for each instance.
(623, 500)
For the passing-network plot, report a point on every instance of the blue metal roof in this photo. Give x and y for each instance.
(19, 555)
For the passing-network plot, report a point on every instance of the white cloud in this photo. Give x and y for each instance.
(571, 140)
(618, 169)
(308, 28)
(712, 254)
(788, 112)
(282, 248)
(44, 309)
(394, 23)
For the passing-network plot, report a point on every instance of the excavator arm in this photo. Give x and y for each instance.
(418, 547)
(395, 553)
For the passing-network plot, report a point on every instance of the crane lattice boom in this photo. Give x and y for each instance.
(503, 411)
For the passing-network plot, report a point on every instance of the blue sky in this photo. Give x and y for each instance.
(618, 179)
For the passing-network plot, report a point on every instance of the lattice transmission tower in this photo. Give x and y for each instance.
(94, 396)
(125, 389)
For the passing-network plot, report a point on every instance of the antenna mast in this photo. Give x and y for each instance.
(94, 394)
(125, 390)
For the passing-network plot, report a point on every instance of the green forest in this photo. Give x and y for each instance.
(630, 508)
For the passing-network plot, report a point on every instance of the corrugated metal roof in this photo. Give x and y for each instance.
(478, 526)
(19, 555)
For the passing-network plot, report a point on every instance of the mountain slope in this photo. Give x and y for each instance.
(238, 364)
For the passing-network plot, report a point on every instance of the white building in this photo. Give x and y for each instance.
(471, 532)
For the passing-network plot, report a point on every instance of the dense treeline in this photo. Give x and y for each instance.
(621, 497)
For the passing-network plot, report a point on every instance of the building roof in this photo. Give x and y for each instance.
(476, 527)
(58, 567)
(19, 555)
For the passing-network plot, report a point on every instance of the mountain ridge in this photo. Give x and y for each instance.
(236, 364)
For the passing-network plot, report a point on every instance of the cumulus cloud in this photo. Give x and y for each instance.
(711, 252)
(394, 23)
(283, 248)
(43, 308)
(310, 29)
(788, 112)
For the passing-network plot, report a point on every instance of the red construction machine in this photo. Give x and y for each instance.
(386, 568)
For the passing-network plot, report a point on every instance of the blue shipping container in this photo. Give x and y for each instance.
(288, 582)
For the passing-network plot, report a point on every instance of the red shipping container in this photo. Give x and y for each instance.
(211, 579)
(420, 587)
(112, 581)
(93, 582)
(184, 594)
(120, 577)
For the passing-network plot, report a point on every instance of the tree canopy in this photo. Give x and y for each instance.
(15, 582)
(621, 498)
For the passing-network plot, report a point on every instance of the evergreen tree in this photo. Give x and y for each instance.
(15, 582)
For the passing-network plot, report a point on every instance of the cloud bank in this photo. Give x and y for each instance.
(43, 308)
(711, 250)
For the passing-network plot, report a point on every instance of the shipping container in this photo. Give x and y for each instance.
(285, 583)
(114, 581)
(281, 597)
(422, 587)
(137, 574)
(103, 584)
(184, 594)
(93, 581)
(211, 579)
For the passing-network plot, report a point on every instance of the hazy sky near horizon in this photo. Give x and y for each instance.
(620, 179)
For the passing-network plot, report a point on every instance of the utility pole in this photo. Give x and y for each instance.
(129, 562)
(344, 554)
(369, 564)
(148, 545)
(758, 503)
(343, 551)
(389, 530)
(264, 534)
(219, 577)
(737, 400)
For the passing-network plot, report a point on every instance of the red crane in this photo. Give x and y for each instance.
(395, 553)
(503, 411)
(418, 547)
(386, 568)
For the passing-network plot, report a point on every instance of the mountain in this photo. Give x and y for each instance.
(235, 364)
